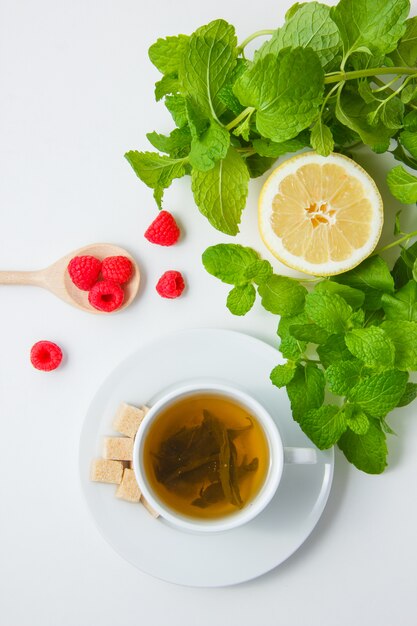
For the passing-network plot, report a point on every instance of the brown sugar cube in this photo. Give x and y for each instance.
(127, 419)
(149, 508)
(128, 488)
(106, 471)
(118, 448)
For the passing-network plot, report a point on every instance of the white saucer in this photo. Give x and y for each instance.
(223, 558)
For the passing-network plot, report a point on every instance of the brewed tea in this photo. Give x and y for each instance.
(206, 456)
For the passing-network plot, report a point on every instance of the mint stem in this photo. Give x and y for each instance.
(336, 77)
(259, 33)
(240, 117)
(395, 243)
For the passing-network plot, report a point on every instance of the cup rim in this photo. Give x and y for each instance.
(272, 479)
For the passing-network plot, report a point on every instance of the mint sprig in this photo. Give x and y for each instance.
(355, 338)
(319, 81)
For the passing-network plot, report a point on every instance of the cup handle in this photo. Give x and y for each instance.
(302, 456)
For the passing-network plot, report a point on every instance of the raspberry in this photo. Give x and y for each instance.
(171, 284)
(106, 295)
(84, 271)
(45, 356)
(163, 230)
(119, 269)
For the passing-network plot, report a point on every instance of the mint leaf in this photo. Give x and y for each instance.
(357, 420)
(281, 375)
(285, 323)
(321, 138)
(404, 337)
(167, 53)
(259, 271)
(309, 332)
(367, 452)
(410, 120)
(402, 305)
(354, 297)
(372, 277)
(209, 147)
(229, 262)
(176, 106)
(406, 51)
(258, 165)
(330, 312)
(310, 25)
(220, 193)
(268, 148)
(177, 144)
(409, 394)
(286, 90)
(380, 393)
(207, 64)
(403, 268)
(375, 25)
(343, 376)
(240, 299)
(324, 426)
(226, 94)
(372, 346)
(155, 170)
(334, 350)
(306, 390)
(282, 295)
(292, 348)
(408, 139)
(402, 185)
(168, 84)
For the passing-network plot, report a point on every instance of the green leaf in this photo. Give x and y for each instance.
(372, 346)
(403, 268)
(354, 113)
(357, 420)
(286, 90)
(354, 297)
(167, 84)
(209, 147)
(309, 332)
(372, 277)
(371, 24)
(330, 312)
(409, 141)
(258, 165)
(221, 193)
(410, 121)
(243, 129)
(281, 375)
(367, 452)
(285, 323)
(282, 295)
(406, 51)
(177, 144)
(322, 138)
(259, 271)
(409, 394)
(409, 93)
(268, 148)
(226, 94)
(324, 426)
(167, 53)
(404, 337)
(309, 25)
(241, 299)
(155, 170)
(230, 262)
(306, 390)
(377, 395)
(342, 376)
(397, 224)
(334, 350)
(207, 64)
(176, 106)
(402, 185)
(292, 348)
(403, 305)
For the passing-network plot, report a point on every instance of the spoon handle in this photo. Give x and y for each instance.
(22, 278)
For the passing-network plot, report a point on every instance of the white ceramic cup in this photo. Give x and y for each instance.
(278, 455)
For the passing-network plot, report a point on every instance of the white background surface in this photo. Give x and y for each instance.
(76, 91)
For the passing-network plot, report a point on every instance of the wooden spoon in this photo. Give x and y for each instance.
(56, 279)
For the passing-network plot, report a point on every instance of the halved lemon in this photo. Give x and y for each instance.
(320, 215)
